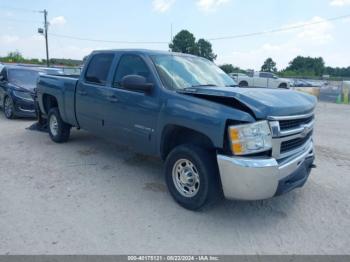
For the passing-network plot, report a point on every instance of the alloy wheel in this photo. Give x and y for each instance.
(8, 107)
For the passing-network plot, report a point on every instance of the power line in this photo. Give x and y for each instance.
(166, 42)
(108, 41)
(210, 39)
(19, 20)
(278, 29)
(19, 9)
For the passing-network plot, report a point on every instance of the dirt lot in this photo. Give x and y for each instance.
(92, 197)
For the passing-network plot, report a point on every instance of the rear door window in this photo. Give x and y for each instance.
(98, 69)
(265, 75)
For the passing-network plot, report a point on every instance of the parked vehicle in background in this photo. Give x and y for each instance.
(235, 76)
(74, 71)
(299, 83)
(318, 83)
(214, 138)
(51, 71)
(71, 71)
(262, 79)
(17, 91)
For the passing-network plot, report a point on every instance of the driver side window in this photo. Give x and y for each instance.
(131, 65)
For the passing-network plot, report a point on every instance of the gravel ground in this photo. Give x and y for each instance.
(89, 196)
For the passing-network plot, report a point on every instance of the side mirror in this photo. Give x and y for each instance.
(2, 78)
(136, 83)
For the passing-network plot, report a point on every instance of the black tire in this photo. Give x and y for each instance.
(8, 108)
(209, 187)
(283, 86)
(243, 84)
(59, 133)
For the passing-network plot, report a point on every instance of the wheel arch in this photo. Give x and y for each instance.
(49, 102)
(243, 83)
(175, 135)
(283, 85)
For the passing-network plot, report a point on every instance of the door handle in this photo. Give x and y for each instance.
(82, 93)
(113, 99)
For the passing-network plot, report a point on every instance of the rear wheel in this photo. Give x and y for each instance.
(243, 84)
(59, 131)
(283, 85)
(191, 174)
(8, 108)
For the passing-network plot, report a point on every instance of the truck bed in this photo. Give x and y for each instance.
(63, 89)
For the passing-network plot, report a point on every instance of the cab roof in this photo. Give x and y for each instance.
(141, 51)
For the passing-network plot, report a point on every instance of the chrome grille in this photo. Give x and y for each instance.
(295, 143)
(291, 134)
(294, 123)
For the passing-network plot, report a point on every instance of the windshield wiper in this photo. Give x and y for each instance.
(232, 85)
(203, 85)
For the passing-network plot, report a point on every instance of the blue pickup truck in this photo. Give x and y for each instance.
(215, 138)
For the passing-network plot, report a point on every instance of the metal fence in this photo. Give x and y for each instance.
(335, 92)
(329, 91)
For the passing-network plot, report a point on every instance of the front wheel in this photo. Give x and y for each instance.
(59, 131)
(8, 108)
(192, 176)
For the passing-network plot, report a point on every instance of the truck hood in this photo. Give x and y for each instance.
(262, 102)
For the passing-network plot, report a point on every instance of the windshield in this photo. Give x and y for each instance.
(23, 78)
(181, 72)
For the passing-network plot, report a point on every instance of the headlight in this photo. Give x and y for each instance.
(250, 138)
(23, 95)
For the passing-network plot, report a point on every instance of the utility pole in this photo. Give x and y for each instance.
(171, 32)
(44, 32)
(171, 35)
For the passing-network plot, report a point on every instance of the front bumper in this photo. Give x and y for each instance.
(256, 178)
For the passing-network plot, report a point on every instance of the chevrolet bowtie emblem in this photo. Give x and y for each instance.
(305, 131)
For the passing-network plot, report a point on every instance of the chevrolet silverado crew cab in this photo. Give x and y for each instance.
(262, 79)
(215, 138)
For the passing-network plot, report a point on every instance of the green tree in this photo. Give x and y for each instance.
(65, 62)
(307, 66)
(269, 66)
(14, 57)
(33, 61)
(204, 49)
(337, 71)
(229, 68)
(184, 42)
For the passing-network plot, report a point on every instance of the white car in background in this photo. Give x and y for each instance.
(262, 79)
(235, 76)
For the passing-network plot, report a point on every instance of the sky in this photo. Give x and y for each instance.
(149, 23)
